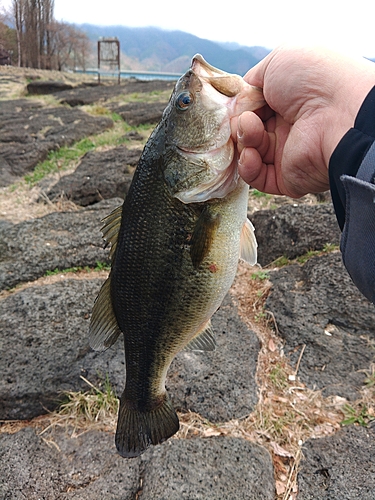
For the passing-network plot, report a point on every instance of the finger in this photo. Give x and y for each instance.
(255, 75)
(257, 173)
(250, 165)
(250, 130)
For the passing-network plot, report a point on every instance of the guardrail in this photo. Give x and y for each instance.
(138, 75)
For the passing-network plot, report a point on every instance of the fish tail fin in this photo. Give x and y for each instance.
(137, 429)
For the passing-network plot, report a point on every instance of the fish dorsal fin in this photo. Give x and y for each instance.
(203, 236)
(204, 340)
(111, 229)
(104, 329)
(248, 244)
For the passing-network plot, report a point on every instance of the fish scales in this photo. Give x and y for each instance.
(183, 228)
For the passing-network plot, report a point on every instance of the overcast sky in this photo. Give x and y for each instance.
(339, 24)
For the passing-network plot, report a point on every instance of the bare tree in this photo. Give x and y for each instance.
(32, 19)
(69, 46)
(43, 42)
(18, 14)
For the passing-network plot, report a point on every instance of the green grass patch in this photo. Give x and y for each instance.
(259, 194)
(94, 405)
(100, 266)
(67, 156)
(279, 377)
(48, 100)
(281, 261)
(359, 416)
(301, 259)
(146, 97)
(370, 378)
(260, 275)
(60, 160)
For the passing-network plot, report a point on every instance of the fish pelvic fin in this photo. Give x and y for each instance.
(104, 329)
(248, 244)
(204, 339)
(137, 430)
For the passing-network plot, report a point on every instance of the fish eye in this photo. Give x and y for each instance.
(184, 100)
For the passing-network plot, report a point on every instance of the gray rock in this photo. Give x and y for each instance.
(58, 240)
(85, 468)
(201, 469)
(88, 468)
(44, 350)
(293, 230)
(341, 466)
(219, 385)
(318, 306)
(100, 175)
(84, 96)
(102, 93)
(46, 87)
(139, 113)
(8, 108)
(44, 347)
(133, 135)
(28, 133)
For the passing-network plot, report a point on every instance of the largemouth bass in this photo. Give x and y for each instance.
(175, 245)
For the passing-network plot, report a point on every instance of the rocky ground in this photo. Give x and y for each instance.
(281, 410)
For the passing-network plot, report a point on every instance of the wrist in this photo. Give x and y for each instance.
(347, 101)
(349, 153)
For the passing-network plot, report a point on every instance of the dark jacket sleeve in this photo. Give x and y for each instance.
(352, 182)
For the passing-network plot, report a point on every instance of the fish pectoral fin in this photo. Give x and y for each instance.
(203, 236)
(248, 244)
(204, 340)
(111, 229)
(104, 330)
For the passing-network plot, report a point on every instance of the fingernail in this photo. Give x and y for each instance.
(240, 160)
(239, 128)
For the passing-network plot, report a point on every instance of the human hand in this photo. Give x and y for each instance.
(313, 97)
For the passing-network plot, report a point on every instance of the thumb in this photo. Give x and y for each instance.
(255, 75)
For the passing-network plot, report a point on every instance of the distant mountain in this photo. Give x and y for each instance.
(256, 51)
(154, 49)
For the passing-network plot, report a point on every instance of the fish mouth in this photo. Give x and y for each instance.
(225, 83)
(200, 66)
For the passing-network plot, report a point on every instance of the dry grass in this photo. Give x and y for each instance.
(19, 202)
(80, 412)
(287, 413)
(96, 408)
(13, 80)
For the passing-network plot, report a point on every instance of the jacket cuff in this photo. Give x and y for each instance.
(349, 153)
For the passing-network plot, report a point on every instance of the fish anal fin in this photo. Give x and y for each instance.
(104, 330)
(248, 244)
(138, 429)
(203, 236)
(204, 340)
